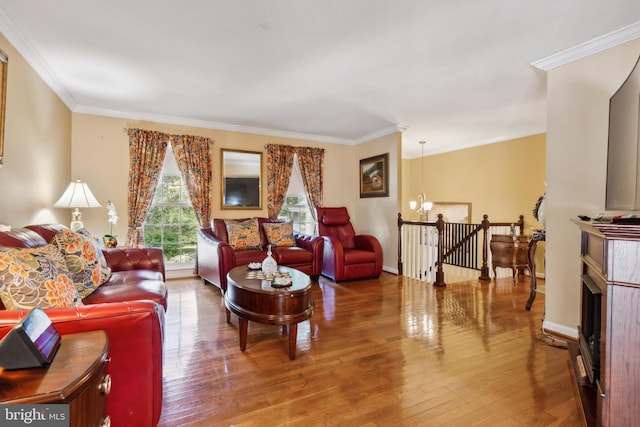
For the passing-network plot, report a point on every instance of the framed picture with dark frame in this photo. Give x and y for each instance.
(374, 176)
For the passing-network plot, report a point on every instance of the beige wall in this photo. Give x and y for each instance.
(577, 126)
(502, 180)
(379, 215)
(37, 147)
(100, 156)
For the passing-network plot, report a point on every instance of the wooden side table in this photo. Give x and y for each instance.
(76, 377)
(508, 251)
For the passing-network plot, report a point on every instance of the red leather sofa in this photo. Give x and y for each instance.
(347, 255)
(216, 257)
(130, 308)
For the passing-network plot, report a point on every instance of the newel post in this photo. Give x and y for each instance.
(484, 271)
(440, 271)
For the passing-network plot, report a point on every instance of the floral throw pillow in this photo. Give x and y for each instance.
(105, 270)
(279, 234)
(243, 235)
(35, 277)
(83, 260)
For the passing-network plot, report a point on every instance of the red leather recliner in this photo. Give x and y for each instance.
(347, 255)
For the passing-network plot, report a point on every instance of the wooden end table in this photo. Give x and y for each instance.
(253, 299)
(76, 376)
(509, 251)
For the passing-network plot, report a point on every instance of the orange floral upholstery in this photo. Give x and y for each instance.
(279, 234)
(243, 235)
(85, 261)
(35, 277)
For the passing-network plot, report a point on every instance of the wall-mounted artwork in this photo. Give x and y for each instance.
(374, 176)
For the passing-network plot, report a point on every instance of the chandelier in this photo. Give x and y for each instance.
(422, 206)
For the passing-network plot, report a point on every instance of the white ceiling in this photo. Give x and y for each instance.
(455, 73)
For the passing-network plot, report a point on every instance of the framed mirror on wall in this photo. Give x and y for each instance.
(4, 63)
(241, 178)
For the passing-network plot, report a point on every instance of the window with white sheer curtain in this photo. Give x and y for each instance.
(296, 206)
(171, 223)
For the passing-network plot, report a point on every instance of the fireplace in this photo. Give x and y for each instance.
(590, 327)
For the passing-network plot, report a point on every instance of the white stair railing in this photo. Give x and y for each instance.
(420, 251)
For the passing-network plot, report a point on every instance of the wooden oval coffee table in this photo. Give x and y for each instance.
(255, 300)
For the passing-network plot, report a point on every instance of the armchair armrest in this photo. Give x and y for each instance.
(215, 258)
(135, 331)
(315, 244)
(127, 259)
(333, 256)
(370, 243)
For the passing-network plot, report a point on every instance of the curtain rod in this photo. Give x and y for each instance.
(294, 146)
(211, 140)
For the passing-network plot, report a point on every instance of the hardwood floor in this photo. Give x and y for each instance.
(385, 352)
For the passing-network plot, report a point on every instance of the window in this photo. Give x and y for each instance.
(171, 223)
(295, 207)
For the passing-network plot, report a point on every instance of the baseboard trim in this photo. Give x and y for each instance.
(179, 273)
(561, 330)
(390, 270)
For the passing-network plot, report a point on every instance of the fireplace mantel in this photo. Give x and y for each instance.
(610, 315)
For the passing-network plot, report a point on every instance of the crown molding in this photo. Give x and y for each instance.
(462, 145)
(380, 133)
(34, 59)
(205, 124)
(606, 41)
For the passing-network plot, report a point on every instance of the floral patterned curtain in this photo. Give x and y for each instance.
(311, 162)
(193, 155)
(279, 167)
(146, 155)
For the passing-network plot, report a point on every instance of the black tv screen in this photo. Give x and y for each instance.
(242, 191)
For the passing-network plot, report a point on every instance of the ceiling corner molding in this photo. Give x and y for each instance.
(380, 133)
(34, 59)
(606, 41)
(205, 124)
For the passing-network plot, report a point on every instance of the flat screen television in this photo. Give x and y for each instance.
(242, 191)
(623, 153)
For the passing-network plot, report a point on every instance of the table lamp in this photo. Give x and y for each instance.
(77, 195)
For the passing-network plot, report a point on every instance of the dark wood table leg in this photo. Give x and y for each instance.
(228, 315)
(243, 325)
(531, 255)
(293, 337)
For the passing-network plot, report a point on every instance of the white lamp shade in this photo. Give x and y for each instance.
(412, 205)
(77, 195)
